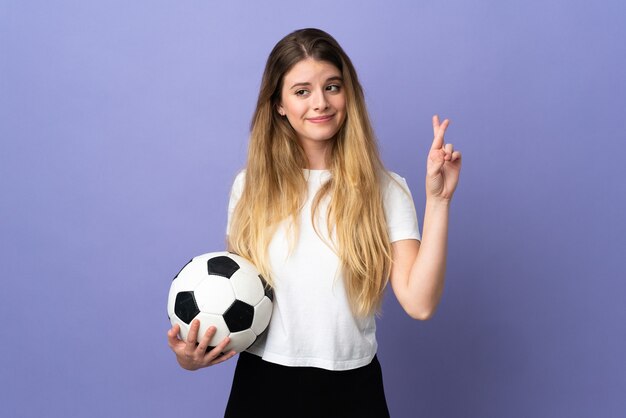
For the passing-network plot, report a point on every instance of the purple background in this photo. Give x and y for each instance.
(122, 125)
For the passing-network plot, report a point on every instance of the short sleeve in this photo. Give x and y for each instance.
(399, 209)
(235, 195)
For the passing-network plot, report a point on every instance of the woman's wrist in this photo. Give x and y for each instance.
(438, 202)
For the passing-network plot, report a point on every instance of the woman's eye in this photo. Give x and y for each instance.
(333, 87)
(300, 92)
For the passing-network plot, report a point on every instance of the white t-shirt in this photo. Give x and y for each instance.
(312, 324)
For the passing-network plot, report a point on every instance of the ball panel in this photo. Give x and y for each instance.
(239, 341)
(189, 277)
(207, 320)
(239, 316)
(185, 307)
(243, 263)
(262, 315)
(222, 266)
(214, 295)
(248, 288)
(203, 258)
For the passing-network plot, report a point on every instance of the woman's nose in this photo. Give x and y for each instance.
(319, 101)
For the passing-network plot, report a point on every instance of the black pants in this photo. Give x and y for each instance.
(263, 389)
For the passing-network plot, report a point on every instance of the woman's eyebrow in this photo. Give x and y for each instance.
(300, 84)
(334, 78)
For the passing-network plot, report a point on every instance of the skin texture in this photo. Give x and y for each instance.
(313, 90)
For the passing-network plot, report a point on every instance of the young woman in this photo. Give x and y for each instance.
(326, 224)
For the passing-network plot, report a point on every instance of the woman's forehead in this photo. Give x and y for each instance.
(309, 70)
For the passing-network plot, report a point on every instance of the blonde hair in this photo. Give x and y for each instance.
(275, 187)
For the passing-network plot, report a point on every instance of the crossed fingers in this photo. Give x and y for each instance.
(439, 130)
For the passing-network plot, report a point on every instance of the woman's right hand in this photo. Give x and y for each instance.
(194, 356)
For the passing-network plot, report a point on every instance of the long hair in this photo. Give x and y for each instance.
(275, 187)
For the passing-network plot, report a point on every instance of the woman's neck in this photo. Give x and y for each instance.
(316, 153)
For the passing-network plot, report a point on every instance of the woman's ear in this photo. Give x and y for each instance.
(280, 110)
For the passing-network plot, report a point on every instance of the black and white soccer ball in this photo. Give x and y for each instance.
(224, 290)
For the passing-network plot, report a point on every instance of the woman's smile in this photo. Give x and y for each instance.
(320, 119)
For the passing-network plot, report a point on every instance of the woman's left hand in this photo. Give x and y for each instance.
(443, 165)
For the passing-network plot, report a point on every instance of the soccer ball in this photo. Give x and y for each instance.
(224, 290)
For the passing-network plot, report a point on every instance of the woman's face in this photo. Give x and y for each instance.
(313, 100)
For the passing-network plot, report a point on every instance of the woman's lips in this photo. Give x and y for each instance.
(320, 119)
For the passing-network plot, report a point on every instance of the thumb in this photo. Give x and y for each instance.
(172, 334)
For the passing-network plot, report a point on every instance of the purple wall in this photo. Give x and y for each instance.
(123, 123)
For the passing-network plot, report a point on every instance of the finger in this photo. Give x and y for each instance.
(172, 335)
(215, 353)
(435, 124)
(192, 336)
(456, 155)
(204, 342)
(223, 358)
(449, 149)
(438, 140)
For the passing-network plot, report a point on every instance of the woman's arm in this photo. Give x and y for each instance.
(418, 269)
